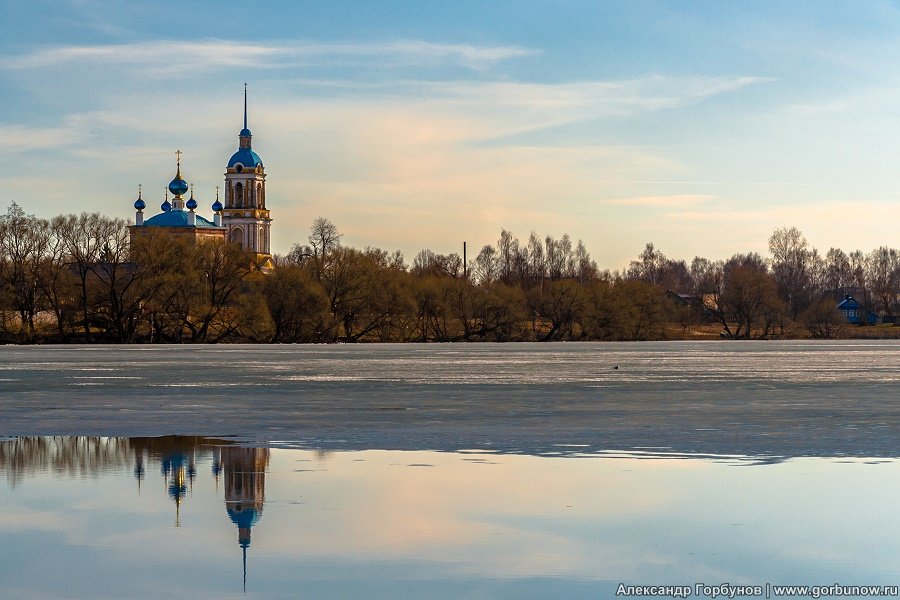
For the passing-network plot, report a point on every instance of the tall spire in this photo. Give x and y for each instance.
(245, 134)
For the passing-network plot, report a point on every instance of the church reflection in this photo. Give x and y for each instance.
(241, 471)
(245, 490)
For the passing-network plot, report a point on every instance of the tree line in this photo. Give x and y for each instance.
(80, 278)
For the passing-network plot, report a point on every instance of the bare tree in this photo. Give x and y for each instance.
(367, 298)
(219, 271)
(427, 262)
(58, 286)
(24, 243)
(561, 304)
(649, 266)
(883, 275)
(296, 304)
(83, 240)
(838, 273)
(747, 303)
(702, 272)
(486, 269)
(585, 268)
(537, 266)
(118, 298)
(791, 268)
(323, 237)
(507, 253)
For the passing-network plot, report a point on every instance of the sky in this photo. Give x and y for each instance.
(698, 126)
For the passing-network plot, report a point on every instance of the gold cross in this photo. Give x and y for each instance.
(178, 156)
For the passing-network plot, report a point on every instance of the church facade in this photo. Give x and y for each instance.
(243, 219)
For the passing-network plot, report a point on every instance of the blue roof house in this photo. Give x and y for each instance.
(855, 313)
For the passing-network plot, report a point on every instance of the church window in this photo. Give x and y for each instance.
(237, 236)
(239, 195)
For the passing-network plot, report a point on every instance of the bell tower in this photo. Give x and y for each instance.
(245, 213)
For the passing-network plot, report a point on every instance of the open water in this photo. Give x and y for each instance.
(448, 471)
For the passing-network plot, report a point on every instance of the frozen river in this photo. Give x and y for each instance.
(752, 398)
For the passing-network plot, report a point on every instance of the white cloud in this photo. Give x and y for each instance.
(32, 138)
(170, 57)
(563, 102)
(671, 201)
(479, 111)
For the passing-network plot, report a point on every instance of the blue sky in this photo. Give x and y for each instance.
(699, 126)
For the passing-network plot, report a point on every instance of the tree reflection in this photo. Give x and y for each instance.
(242, 469)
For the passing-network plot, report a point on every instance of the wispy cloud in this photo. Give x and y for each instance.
(170, 56)
(485, 111)
(33, 138)
(606, 98)
(672, 201)
(833, 212)
(416, 51)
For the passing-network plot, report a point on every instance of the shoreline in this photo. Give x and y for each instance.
(672, 332)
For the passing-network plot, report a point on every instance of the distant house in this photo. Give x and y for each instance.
(855, 313)
(703, 305)
(683, 299)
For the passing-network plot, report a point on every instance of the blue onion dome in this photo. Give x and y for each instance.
(217, 206)
(166, 206)
(191, 204)
(139, 204)
(244, 132)
(178, 186)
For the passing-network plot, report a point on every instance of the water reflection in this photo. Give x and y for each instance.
(149, 517)
(91, 456)
(242, 469)
(245, 490)
(73, 456)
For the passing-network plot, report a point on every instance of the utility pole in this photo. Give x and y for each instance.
(465, 263)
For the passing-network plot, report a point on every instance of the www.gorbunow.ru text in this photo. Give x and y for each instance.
(727, 590)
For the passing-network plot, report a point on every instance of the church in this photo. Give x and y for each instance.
(243, 219)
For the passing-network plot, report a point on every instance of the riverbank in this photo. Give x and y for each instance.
(791, 332)
(667, 332)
